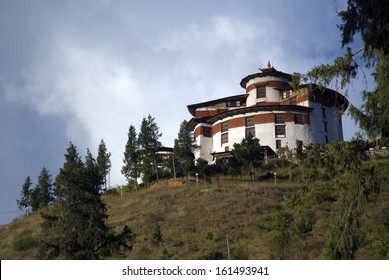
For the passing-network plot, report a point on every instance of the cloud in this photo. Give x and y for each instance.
(220, 32)
(82, 71)
(94, 94)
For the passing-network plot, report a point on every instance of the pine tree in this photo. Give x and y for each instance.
(131, 167)
(75, 228)
(45, 187)
(103, 162)
(369, 20)
(149, 145)
(25, 196)
(42, 194)
(184, 146)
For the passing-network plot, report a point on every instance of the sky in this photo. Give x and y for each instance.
(82, 71)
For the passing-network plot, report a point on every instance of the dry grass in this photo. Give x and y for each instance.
(195, 221)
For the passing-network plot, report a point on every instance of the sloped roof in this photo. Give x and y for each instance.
(192, 108)
(271, 71)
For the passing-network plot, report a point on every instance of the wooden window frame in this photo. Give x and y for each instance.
(280, 127)
(224, 138)
(279, 118)
(224, 126)
(299, 119)
(261, 92)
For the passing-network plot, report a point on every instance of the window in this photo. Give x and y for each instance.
(207, 131)
(325, 126)
(227, 149)
(249, 121)
(280, 131)
(293, 100)
(250, 130)
(286, 93)
(298, 119)
(261, 92)
(233, 103)
(278, 144)
(224, 138)
(323, 112)
(280, 118)
(224, 126)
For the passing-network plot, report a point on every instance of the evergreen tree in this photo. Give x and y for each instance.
(149, 145)
(25, 196)
(131, 159)
(369, 20)
(103, 162)
(184, 146)
(75, 228)
(46, 187)
(42, 194)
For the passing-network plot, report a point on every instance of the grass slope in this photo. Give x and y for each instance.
(195, 221)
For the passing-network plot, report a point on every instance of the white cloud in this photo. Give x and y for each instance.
(96, 95)
(220, 32)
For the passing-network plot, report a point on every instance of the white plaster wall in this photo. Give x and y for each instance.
(272, 95)
(308, 133)
(266, 134)
(251, 98)
(205, 150)
(297, 132)
(334, 126)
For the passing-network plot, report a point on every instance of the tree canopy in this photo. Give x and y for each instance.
(367, 19)
(184, 146)
(75, 228)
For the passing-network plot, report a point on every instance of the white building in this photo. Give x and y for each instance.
(271, 111)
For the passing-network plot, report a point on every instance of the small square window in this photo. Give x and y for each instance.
(207, 131)
(278, 144)
(224, 138)
(280, 131)
(280, 118)
(249, 121)
(224, 126)
(298, 119)
(250, 130)
(261, 92)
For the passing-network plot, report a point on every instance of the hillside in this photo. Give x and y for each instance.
(195, 220)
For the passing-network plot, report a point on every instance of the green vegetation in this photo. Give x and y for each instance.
(74, 227)
(173, 219)
(367, 19)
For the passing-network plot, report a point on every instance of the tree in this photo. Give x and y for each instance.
(247, 152)
(42, 194)
(369, 20)
(25, 196)
(339, 166)
(131, 159)
(75, 228)
(45, 186)
(184, 146)
(103, 162)
(149, 145)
